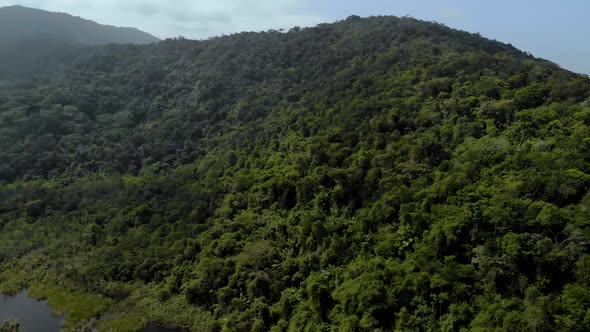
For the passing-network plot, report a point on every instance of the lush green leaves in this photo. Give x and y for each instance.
(373, 174)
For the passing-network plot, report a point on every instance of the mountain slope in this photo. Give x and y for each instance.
(372, 174)
(35, 44)
(18, 23)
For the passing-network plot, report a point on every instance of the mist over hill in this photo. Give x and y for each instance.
(34, 43)
(18, 23)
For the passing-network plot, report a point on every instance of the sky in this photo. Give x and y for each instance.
(555, 30)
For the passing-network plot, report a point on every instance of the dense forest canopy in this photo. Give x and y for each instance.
(373, 174)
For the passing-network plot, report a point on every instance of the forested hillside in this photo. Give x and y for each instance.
(35, 44)
(373, 174)
(18, 23)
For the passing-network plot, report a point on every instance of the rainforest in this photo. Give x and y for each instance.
(374, 174)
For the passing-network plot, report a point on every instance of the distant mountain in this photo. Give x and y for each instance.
(18, 23)
(34, 43)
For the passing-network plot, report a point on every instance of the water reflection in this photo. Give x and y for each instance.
(36, 316)
(33, 315)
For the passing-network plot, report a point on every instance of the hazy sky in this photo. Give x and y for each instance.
(551, 29)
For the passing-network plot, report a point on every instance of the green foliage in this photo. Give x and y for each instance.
(9, 326)
(123, 324)
(374, 174)
(80, 307)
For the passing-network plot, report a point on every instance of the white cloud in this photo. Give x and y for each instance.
(451, 13)
(190, 18)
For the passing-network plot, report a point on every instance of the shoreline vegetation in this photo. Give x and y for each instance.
(83, 311)
(9, 326)
(376, 174)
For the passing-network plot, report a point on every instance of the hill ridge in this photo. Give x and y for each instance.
(34, 21)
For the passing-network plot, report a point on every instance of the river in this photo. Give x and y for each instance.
(33, 315)
(36, 316)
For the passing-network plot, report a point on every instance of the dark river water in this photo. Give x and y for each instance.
(35, 316)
